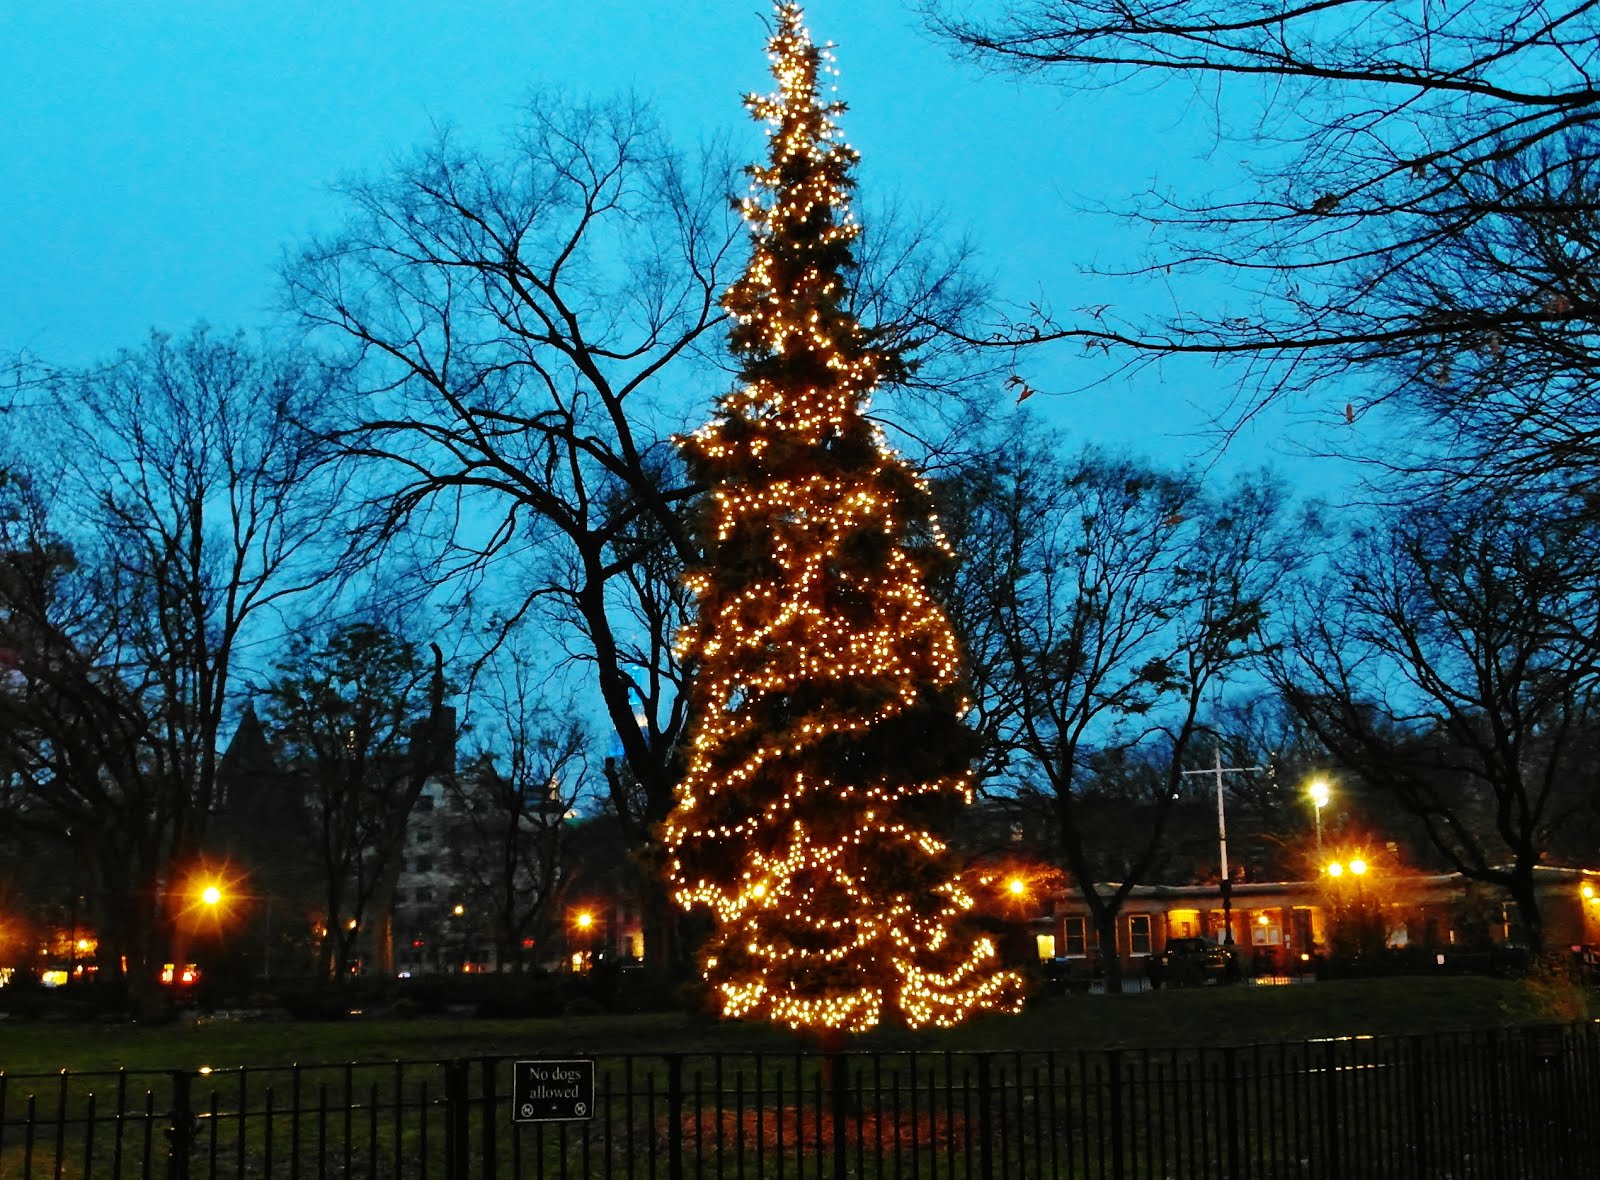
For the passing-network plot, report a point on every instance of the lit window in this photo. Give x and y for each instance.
(1047, 946)
(1077, 940)
(1267, 929)
(1139, 934)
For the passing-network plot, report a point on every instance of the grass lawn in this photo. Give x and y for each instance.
(1160, 1019)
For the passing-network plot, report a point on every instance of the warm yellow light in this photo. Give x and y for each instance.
(459, 910)
(584, 919)
(1262, 920)
(1335, 869)
(1586, 889)
(84, 944)
(1017, 886)
(211, 895)
(1358, 867)
(1320, 792)
(351, 925)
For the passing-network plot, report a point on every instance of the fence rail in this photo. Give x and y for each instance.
(1486, 1105)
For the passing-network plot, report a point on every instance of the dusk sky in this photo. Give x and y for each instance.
(157, 160)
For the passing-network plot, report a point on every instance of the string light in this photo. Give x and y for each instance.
(828, 690)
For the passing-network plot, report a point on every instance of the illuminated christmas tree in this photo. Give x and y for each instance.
(828, 747)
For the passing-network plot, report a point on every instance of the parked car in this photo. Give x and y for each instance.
(1073, 974)
(1189, 962)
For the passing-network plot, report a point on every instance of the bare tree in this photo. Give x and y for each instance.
(1503, 394)
(1450, 658)
(1124, 598)
(1379, 138)
(515, 322)
(84, 775)
(188, 500)
(189, 467)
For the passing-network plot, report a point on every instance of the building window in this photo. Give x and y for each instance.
(1047, 946)
(1077, 943)
(1139, 934)
(1267, 929)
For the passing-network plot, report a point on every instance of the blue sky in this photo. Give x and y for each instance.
(157, 159)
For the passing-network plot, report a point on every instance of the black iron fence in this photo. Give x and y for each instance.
(1491, 1105)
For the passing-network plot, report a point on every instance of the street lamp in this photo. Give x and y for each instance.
(1320, 794)
(1222, 839)
(582, 946)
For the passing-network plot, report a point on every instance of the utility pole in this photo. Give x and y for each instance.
(1222, 839)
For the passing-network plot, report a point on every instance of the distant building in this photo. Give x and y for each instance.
(1284, 926)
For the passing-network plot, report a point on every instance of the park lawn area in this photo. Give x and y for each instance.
(1158, 1020)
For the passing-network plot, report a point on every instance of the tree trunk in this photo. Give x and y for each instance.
(1527, 903)
(658, 915)
(1105, 925)
(835, 1072)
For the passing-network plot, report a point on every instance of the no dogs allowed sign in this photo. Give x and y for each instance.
(552, 1091)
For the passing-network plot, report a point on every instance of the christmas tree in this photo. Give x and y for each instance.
(827, 748)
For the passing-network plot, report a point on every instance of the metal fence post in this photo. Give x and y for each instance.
(985, 1119)
(455, 1120)
(1230, 1100)
(1419, 1112)
(491, 1160)
(180, 1126)
(1119, 1163)
(1332, 1144)
(675, 1116)
(838, 1067)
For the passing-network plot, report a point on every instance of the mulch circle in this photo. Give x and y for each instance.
(804, 1129)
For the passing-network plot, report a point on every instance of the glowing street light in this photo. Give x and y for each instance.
(1335, 869)
(1358, 866)
(1016, 886)
(211, 895)
(1320, 793)
(584, 919)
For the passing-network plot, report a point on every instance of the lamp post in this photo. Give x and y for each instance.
(1320, 794)
(583, 958)
(1350, 909)
(1222, 839)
